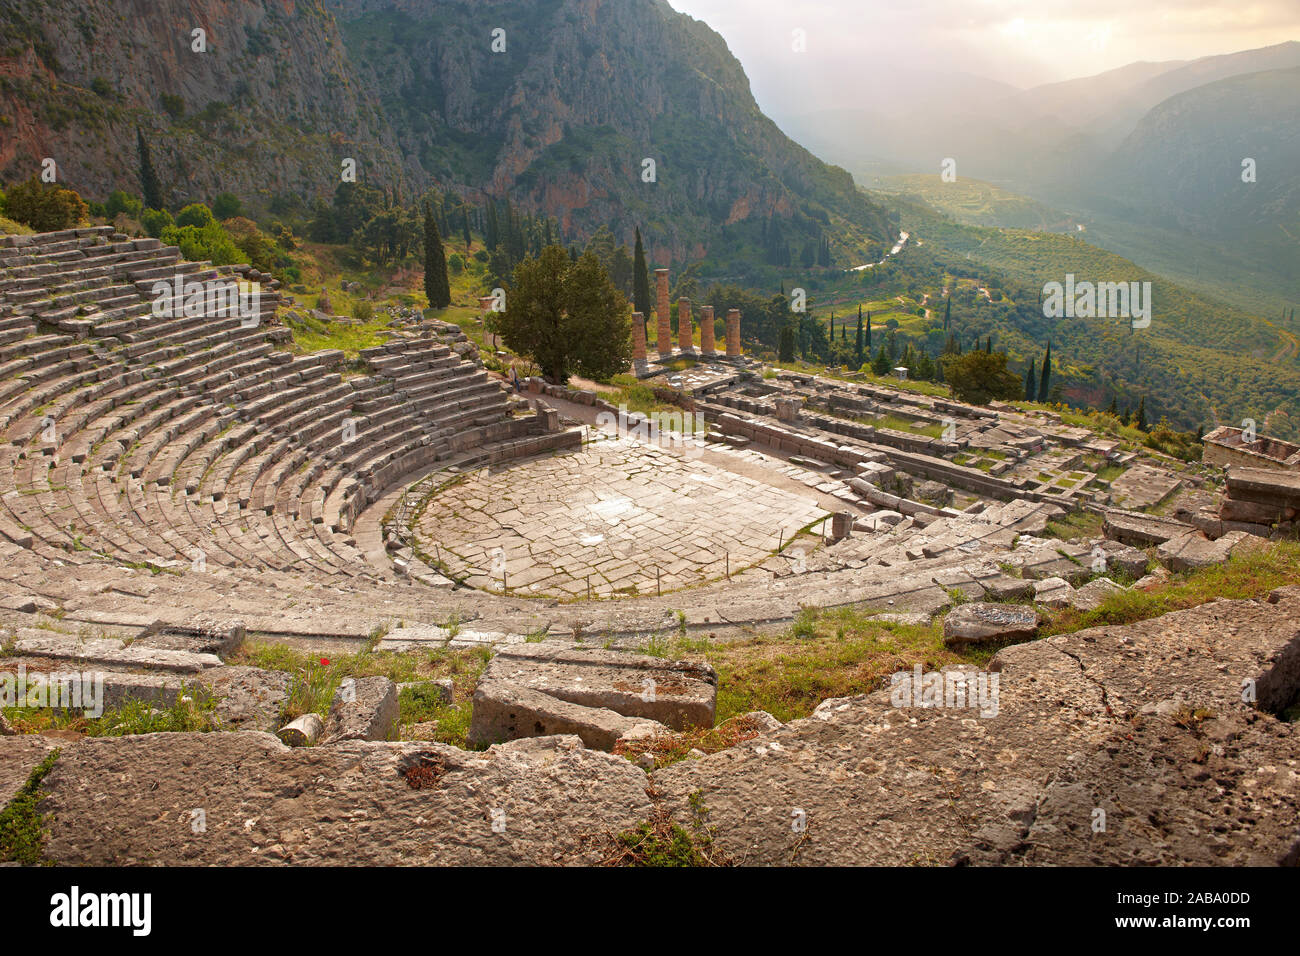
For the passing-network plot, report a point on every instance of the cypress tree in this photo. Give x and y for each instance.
(1142, 414)
(465, 230)
(1031, 386)
(1045, 382)
(436, 285)
(868, 331)
(149, 184)
(493, 233)
(988, 346)
(947, 312)
(857, 352)
(640, 279)
(785, 348)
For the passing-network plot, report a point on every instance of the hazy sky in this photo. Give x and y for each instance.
(1020, 42)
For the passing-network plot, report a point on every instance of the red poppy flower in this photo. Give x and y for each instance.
(325, 661)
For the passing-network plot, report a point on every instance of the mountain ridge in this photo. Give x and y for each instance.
(562, 122)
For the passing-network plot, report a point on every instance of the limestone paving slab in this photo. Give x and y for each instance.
(622, 517)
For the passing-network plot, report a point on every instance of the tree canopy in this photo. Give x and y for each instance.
(566, 315)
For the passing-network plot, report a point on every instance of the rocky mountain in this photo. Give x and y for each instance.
(1183, 162)
(561, 105)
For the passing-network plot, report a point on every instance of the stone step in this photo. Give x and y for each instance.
(110, 652)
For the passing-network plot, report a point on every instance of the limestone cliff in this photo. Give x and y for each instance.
(562, 121)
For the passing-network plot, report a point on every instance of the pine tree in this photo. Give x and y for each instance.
(1113, 407)
(149, 183)
(640, 279)
(988, 346)
(1045, 382)
(436, 285)
(881, 363)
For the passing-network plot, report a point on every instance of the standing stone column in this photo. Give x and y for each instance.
(664, 340)
(733, 333)
(707, 345)
(638, 337)
(685, 331)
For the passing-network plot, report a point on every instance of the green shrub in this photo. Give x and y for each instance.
(156, 222)
(195, 214)
(100, 87)
(173, 104)
(119, 202)
(43, 206)
(22, 825)
(456, 264)
(226, 206)
(209, 242)
(363, 311)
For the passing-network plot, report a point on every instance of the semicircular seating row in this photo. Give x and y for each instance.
(194, 439)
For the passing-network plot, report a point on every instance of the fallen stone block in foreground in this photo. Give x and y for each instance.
(1195, 550)
(126, 801)
(601, 696)
(981, 621)
(363, 709)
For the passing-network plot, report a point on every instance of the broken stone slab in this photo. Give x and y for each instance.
(508, 711)
(5, 729)
(982, 621)
(197, 636)
(1090, 596)
(1123, 558)
(679, 694)
(303, 732)
(1003, 587)
(248, 698)
(1194, 550)
(363, 708)
(111, 652)
(1254, 512)
(417, 803)
(1059, 564)
(1264, 485)
(1139, 530)
(1053, 592)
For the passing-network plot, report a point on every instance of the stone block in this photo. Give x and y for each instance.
(980, 621)
(363, 708)
(677, 694)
